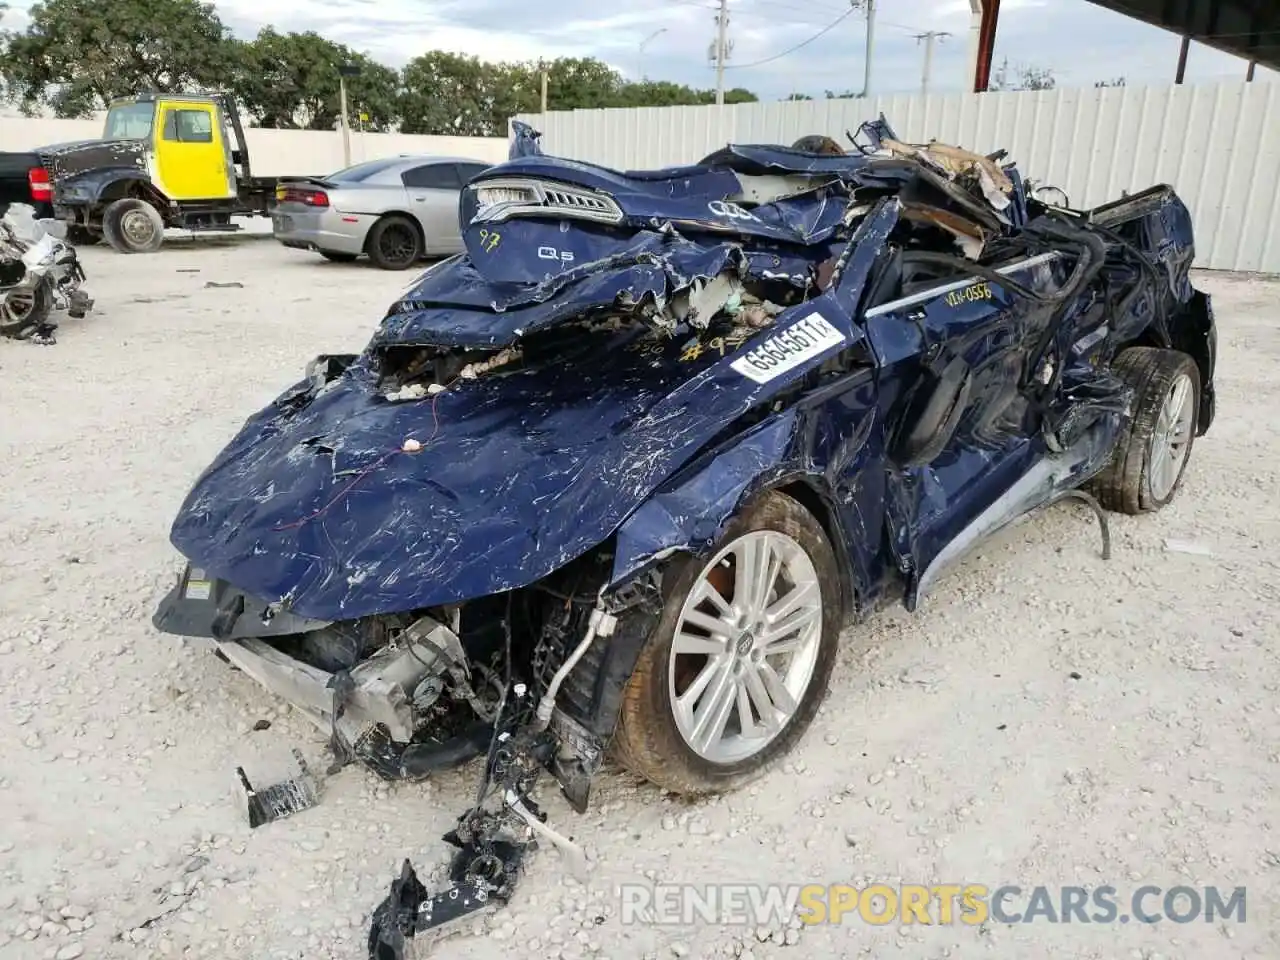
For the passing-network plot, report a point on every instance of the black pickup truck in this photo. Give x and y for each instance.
(23, 179)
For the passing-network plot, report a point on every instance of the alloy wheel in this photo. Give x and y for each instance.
(1171, 437)
(397, 244)
(745, 646)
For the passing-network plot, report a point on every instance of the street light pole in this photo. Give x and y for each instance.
(644, 43)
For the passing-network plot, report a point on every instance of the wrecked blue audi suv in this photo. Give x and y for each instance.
(614, 479)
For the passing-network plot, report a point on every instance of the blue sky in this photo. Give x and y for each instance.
(1079, 41)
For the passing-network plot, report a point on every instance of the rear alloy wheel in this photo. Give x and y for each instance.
(335, 257)
(394, 243)
(132, 225)
(739, 662)
(1151, 456)
(22, 309)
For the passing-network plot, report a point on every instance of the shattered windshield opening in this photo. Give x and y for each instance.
(709, 320)
(130, 121)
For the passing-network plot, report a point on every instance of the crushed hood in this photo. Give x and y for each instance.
(344, 503)
(315, 501)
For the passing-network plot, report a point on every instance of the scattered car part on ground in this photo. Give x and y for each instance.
(615, 477)
(164, 161)
(396, 210)
(278, 800)
(39, 273)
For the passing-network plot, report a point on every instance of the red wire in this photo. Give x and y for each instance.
(435, 419)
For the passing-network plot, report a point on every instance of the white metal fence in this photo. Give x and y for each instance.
(1217, 144)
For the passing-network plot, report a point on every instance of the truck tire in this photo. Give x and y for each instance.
(394, 243)
(133, 226)
(1151, 456)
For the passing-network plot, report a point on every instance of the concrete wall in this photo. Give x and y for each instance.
(1217, 144)
(275, 152)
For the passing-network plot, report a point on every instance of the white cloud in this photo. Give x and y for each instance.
(1080, 41)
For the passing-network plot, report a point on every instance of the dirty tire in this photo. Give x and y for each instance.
(335, 257)
(394, 243)
(23, 309)
(648, 741)
(132, 225)
(1126, 485)
(83, 236)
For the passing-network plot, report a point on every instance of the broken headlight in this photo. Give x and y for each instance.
(502, 198)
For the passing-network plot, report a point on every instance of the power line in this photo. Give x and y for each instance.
(803, 43)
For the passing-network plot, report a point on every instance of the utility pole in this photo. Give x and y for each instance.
(542, 69)
(929, 37)
(721, 49)
(871, 45)
(346, 126)
(346, 70)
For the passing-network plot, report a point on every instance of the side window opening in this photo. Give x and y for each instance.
(439, 176)
(188, 126)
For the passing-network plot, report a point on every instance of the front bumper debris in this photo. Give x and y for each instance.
(491, 842)
(279, 800)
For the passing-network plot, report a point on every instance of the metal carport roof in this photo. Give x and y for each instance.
(1245, 28)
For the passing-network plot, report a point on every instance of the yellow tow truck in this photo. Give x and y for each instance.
(164, 161)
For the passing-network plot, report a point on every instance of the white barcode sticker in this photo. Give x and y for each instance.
(787, 350)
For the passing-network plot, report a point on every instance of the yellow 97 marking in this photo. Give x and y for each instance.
(489, 239)
(971, 294)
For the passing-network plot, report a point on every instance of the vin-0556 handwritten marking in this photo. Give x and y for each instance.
(971, 294)
(786, 350)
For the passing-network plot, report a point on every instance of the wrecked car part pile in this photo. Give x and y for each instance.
(480, 536)
(39, 273)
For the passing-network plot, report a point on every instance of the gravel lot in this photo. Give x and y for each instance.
(1046, 719)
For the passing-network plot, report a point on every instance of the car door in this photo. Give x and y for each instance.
(191, 153)
(961, 434)
(433, 189)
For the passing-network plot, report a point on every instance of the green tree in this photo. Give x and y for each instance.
(76, 55)
(450, 94)
(584, 83)
(737, 95)
(1024, 77)
(662, 93)
(290, 81)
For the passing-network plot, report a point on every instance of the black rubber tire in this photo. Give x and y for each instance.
(82, 236)
(335, 257)
(408, 251)
(113, 230)
(1124, 486)
(647, 740)
(41, 307)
